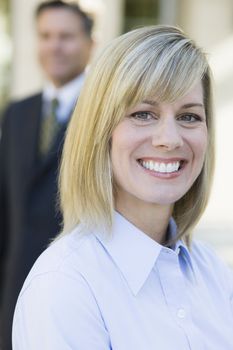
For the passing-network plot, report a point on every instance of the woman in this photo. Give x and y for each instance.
(135, 179)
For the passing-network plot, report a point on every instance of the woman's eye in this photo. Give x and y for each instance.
(189, 118)
(142, 116)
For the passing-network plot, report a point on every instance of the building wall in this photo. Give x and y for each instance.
(207, 21)
(26, 75)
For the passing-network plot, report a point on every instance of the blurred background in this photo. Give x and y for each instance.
(209, 22)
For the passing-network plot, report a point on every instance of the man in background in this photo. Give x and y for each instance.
(30, 148)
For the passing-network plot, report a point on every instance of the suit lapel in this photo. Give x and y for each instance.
(53, 155)
(30, 133)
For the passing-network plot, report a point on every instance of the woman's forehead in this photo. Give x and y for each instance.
(192, 92)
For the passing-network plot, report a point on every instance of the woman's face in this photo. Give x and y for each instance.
(158, 149)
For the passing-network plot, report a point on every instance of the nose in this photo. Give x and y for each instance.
(52, 44)
(167, 134)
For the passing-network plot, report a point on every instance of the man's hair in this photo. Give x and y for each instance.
(156, 61)
(87, 20)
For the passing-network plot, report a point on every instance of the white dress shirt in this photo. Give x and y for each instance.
(66, 95)
(125, 293)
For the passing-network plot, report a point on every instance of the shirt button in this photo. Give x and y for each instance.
(167, 251)
(181, 313)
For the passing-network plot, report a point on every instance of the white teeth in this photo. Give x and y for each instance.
(169, 168)
(161, 167)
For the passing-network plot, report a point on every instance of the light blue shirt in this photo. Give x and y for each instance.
(125, 293)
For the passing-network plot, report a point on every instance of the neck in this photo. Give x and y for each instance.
(150, 218)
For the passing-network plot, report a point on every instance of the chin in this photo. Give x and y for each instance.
(168, 199)
(59, 80)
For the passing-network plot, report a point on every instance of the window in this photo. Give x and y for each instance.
(140, 13)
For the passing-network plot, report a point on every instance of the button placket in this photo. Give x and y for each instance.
(176, 293)
(173, 284)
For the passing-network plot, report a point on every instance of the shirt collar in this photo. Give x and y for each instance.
(68, 91)
(129, 247)
(67, 94)
(181, 248)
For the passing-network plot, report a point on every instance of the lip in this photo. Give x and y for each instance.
(163, 160)
(183, 162)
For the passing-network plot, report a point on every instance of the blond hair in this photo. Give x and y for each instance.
(151, 61)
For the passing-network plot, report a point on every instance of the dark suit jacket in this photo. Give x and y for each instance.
(28, 193)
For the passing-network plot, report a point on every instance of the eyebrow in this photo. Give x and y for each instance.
(150, 102)
(187, 105)
(190, 105)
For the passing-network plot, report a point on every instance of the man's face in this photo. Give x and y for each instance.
(63, 46)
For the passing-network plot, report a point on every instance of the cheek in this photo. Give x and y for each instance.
(42, 49)
(120, 139)
(127, 144)
(118, 147)
(77, 47)
(122, 146)
(72, 47)
(203, 141)
(200, 144)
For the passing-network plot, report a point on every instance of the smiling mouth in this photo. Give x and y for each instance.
(160, 167)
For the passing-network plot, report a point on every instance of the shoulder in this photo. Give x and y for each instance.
(58, 273)
(205, 253)
(58, 298)
(209, 263)
(70, 257)
(16, 108)
(16, 105)
(58, 277)
(24, 101)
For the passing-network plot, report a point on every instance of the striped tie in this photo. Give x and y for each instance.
(49, 128)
